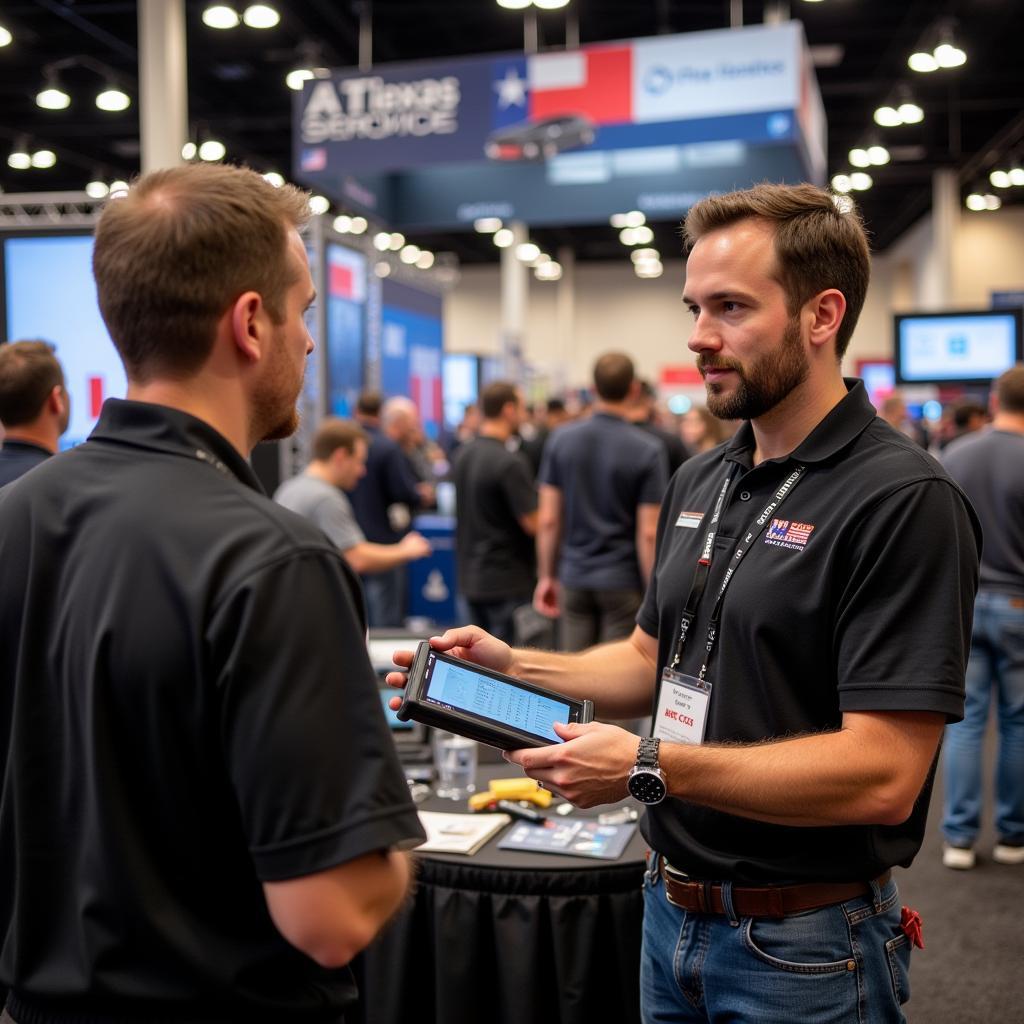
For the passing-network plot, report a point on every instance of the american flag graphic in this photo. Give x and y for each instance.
(789, 532)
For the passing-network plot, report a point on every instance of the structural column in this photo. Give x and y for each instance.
(514, 284)
(163, 82)
(937, 288)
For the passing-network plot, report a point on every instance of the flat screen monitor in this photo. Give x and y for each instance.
(461, 385)
(346, 317)
(956, 347)
(49, 294)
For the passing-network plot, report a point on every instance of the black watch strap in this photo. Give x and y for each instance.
(647, 752)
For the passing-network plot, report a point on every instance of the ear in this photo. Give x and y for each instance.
(825, 313)
(249, 323)
(56, 400)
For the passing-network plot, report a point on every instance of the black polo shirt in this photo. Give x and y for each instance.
(187, 711)
(857, 596)
(18, 457)
(493, 491)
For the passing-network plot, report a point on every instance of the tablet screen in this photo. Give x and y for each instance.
(455, 686)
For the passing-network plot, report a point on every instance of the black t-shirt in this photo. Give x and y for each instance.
(675, 450)
(493, 491)
(605, 468)
(188, 711)
(389, 480)
(17, 458)
(857, 596)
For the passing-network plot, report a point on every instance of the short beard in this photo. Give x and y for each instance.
(770, 378)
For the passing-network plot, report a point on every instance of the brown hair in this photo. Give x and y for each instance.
(175, 253)
(495, 397)
(816, 245)
(613, 375)
(334, 433)
(369, 403)
(1010, 389)
(29, 371)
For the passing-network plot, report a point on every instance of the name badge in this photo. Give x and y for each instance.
(682, 714)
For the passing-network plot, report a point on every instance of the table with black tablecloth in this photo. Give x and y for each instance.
(509, 937)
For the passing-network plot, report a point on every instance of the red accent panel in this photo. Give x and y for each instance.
(95, 396)
(340, 282)
(606, 97)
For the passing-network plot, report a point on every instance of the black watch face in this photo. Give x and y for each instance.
(646, 787)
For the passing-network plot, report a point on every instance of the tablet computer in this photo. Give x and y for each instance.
(500, 710)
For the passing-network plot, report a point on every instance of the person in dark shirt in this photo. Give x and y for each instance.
(496, 516)
(198, 787)
(34, 406)
(643, 414)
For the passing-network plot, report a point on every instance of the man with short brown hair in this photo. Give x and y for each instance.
(199, 788)
(34, 406)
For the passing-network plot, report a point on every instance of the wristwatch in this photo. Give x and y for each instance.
(646, 781)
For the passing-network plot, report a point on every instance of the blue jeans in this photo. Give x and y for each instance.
(497, 617)
(384, 593)
(843, 964)
(996, 665)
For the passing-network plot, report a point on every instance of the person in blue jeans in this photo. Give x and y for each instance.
(989, 465)
(802, 644)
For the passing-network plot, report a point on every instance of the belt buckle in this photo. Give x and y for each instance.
(675, 874)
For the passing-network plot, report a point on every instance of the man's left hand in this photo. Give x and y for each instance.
(588, 769)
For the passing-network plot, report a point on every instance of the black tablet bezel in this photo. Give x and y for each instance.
(415, 706)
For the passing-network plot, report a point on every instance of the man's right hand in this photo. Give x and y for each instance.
(546, 597)
(470, 643)
(415, 546)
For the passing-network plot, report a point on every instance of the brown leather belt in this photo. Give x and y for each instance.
(762, 900)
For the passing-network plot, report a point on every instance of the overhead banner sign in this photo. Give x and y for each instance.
(752, 85)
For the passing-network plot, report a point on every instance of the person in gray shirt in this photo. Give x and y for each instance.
(339, 461)
(989, 466)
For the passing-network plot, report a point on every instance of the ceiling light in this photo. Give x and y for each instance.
(859, 158)
(975, 201)
(878, 155)
(550, 271)
(118, 188)
(503, 238)
(410, 253)
(382, 269)
(342, 224)
(212, 150)
(644, 254)
(841, 183)
(888, 117)
(358, 225)
(1016, 175)
(382, 241)
(52, 96)
(992, 202)
(910, 112)
(949, 56)
(44, 158)
(619, 220)
(642, 235)
(275, 179)
(220, 16)
(5, 37)
(860, 182)
(648, 269)
(97, 189)
(294, 79)
(260, 16)
(319, 204)
(189, 150)
(543, 257)
(396, 241)
(627, 236)
(550, 5)
(922, 62)
(527, 252)
(1000, 179)
(634, 219)
(113, 99)
(20, 159)
(514, 5)
(487, 225)
(844, 204)
(425, 260)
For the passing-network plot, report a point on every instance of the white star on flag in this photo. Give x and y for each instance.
(511, 90)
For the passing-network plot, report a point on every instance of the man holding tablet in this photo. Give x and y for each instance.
(801, 645)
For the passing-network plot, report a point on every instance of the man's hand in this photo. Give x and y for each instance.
(414, 546)
(546, 597)
(590, 768)
(470, 643)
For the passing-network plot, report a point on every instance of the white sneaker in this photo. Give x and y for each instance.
(1004, 854)
(960, 858)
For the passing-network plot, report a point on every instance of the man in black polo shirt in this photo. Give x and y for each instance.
(802, 644)
(201, 807)
(34, 406)
(496, 516)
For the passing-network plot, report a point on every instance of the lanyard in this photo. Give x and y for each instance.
(703, 568)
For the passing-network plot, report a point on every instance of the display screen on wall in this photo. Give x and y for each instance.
(956, 347)
(49, 294)
(346, 327)
(461, 385)
(410, 350)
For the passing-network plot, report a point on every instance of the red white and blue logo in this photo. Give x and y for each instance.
(784, 533)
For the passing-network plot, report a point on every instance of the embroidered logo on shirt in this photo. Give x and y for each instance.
(689, 520)
(783, 533)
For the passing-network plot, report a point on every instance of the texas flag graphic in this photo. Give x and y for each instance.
(595, 83)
